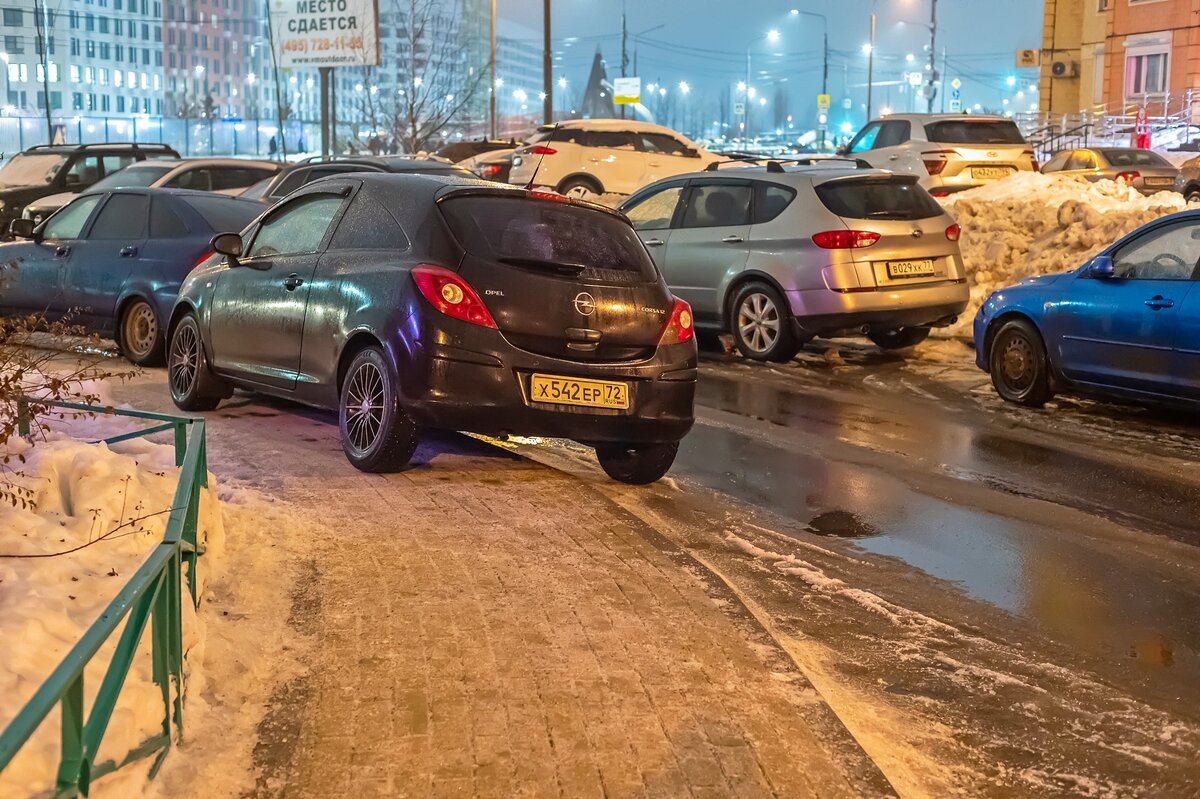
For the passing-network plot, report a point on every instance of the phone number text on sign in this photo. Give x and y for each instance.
(326, 32)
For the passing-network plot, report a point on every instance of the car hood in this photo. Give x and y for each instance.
(53, 201)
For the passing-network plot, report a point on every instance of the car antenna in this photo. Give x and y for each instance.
(549, 139)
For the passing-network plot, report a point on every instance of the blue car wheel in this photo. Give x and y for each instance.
(1019, 365)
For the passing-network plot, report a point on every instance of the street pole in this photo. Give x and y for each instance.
(547, 66)
(871, 67)
(326, 139)
(39, 11)
(746, 105)
(825, 83)
(492, 75)
(931, 90)
(624, 49)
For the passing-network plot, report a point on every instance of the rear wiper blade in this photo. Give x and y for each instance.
(566, 267)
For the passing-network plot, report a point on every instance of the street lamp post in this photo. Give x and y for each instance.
(795, 12)
(933, 74)
(870, 67)
(547, 66)
(771, 36)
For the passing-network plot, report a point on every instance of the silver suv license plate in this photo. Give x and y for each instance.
(901, 269)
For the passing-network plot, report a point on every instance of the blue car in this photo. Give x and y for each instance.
(113, 261)
(1125, 324)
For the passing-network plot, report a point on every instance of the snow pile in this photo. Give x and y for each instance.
(109, 505)
(1034, 224)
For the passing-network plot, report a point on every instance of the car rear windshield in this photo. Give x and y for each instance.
(138, 177)
(538, 234)
(974, 132)
(878, 198)
(1134, 158)
(224, 214)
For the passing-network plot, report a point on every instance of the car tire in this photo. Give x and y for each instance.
(636, 464)
(1191, 194)
(761, 324)
(139, 334)
(898, 338)
(577, 183)
(377, 434)
(192, 385)
(1019, 365)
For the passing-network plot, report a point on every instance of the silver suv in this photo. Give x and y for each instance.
(777, 255)
(946, 152)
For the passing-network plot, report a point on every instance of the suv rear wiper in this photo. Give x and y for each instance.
(565, 267)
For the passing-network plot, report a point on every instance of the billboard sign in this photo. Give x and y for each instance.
(325, 33)
(627, 91)
(1029, 58)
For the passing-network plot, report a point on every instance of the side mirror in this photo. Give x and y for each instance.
(21, 228)
(1102, 267)
(228, 244)
(842, 149)
(71, 179)
(691, 152)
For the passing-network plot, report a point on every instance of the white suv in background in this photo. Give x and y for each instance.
(604, 156)
(947, 152)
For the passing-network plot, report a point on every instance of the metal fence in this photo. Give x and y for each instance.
(153, 594)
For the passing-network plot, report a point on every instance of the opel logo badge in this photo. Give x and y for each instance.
(585, 303)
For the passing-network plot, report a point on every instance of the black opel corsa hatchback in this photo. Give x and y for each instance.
(420, 301)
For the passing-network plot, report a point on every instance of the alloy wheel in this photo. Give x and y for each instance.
(140, 330)
(758, 322)
(363, 407)
(185, 360)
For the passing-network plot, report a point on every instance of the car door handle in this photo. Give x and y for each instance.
(732, 240)
(594, 160)
(893, 157)
(128, 252)
(654, 242)
(653, 163)
(62, 251)
(293, 282)
(1158, 303)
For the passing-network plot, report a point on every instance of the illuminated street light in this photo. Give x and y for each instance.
(866, 48)
(887, 109)
(1010, 80)
(847, 128)
(741, 85)
(772, 36)
(909, 58)
(795, 12)
(562, 83)
(684, 87)
(762, 100)
(752, 92)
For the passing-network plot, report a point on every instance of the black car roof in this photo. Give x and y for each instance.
(437, 187)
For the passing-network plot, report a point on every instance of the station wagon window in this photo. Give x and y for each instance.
(769, 201)
(68, 223)
(299, 227)
(898, 197)
(164, 222)
(1167, 253)
(718, 205)
(865, 139)
(656, 211)
(122, 217)
(198, 179)
(84, 172)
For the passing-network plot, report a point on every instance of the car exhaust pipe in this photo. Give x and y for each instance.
(945, 321)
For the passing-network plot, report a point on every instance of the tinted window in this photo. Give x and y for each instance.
(257, 191)
(84, 172)
(299, 227)
(770, 200)
(368, 225)
(122, 217)
(606, 138)
(499, 228)
(893, 133)
(1168, 253)
(865, 139)
(962, 131)
(1058, 162)
(134, 178)
(197, 179)
(69, 222)
(1134, 158)
(224, 214)
(878, 198)
(655, 211)
(226, 177)
(718, 205)
(115, 163)
(1081, 159)
(662, 143)
(164, 222)
(291, 182)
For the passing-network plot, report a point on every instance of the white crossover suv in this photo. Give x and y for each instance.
(604, 156)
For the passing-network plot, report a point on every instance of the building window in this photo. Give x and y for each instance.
(18, 72)
(89, 22)
(104, 24)
(77, 101)
(1101, 5)
(74, 72)
(1145, 74)
(14, 45)
(120, 104)
(14, 17)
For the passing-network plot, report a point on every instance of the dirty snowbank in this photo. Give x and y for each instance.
(1033, 224)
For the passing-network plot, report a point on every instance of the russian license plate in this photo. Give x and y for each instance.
(577, 391)
(1159, 181)
(990, 172)
(900, 269)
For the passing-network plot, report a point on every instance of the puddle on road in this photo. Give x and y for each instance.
(841, 524)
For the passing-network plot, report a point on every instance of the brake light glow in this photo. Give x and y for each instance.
(488, 170)
(541, 149)
(452, 295)
(203, 258)
(1128, 177)
(953, 232)
(679, 329)
(541, 194)
(844, 239)
(935, 166)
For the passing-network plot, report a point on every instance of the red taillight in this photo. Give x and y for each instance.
(953, 232)
(938, 192)
(844, 239)
(679, 329)
(451, 295)
(935, 166)
(1128, 177)
(553, 196)
(488, 170)
(203, 258)
(539, 149)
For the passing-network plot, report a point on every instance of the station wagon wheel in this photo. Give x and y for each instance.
(762, 325)
(193, 388)
(377, 434)
(1019, 365)
(139, 335)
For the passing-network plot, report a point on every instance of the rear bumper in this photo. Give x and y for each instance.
(471, 379)
(823, 312)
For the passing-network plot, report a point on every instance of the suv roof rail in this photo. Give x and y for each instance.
(137, 145)
(776, 165)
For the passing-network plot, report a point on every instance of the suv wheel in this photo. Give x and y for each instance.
(578, 186)
(636, 464)
(139, 336)
(377, 435)
(762, 324)
(897, 338)
(1019, 365)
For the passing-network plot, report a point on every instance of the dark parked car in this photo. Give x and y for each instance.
(1187, 182)
(114, 260)
(284, 183)
(1126, 323)
(462, 150)
(414, 301)
(53, 169)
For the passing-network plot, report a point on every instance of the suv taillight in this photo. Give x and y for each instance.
(539, 149)
(451, 295)
(844, 239)
(679, 329)
(934, 166)
(1128, 177)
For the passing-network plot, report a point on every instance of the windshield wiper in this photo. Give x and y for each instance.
(566, 267)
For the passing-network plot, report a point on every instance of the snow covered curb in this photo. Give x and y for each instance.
(83, 491)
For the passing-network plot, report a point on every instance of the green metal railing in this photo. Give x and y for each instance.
(152, 595)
